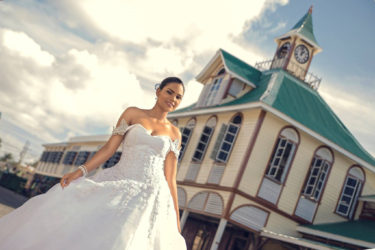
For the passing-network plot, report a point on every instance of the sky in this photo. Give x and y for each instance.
(70, 68)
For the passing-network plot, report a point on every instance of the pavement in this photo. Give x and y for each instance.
(10, 200)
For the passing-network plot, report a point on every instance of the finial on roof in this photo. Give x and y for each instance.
(311, 8)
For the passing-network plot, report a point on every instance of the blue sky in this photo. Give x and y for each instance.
(69, 68)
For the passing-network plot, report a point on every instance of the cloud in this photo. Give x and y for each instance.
(352, 109)
(71, 67)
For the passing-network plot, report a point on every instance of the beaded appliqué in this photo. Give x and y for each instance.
(174, 148)
(121, 129)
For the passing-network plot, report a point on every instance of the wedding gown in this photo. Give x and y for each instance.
(128, 206)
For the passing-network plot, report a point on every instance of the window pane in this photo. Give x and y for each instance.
(232, 129)
(226, 146)
(207, 130)
(197, 155)
(229, 138)
(201, 146)
(351, 182)
(348, 191)
(204, 138)
(343, 209)
(223, 156)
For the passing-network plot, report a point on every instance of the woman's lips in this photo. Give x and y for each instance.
(170, 104)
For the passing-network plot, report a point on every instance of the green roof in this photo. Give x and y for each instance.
(363, 230)
(305, 27)
(241, 68)
(295, 99)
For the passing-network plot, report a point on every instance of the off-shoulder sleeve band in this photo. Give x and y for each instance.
(120, 129)
(174, 147)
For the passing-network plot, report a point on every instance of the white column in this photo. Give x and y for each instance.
(219, 232)
(184, 216)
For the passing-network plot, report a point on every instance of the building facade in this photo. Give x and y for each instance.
(61, 158)
(265, 163)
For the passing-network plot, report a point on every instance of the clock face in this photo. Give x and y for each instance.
(301, 53)
(283, 50)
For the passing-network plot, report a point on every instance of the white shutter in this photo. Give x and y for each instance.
(192, 172)
(214, 204)
(250, 216)
(221, 91)
(181, 194)
(306, 209)
(197, 202)
(269, 190)
(203, 95)
(215, 174)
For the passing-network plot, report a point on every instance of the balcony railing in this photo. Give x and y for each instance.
(310, 79)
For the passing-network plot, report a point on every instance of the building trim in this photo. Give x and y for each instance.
(259, 201)
(335, 237)
(246, 158)
(292, 240)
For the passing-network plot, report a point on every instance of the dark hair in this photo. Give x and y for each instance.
(169, 80)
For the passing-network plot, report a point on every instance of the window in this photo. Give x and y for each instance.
(44, 156)
(58, 157)
(82, 158)
(210, 92)
(350, 192)
(282, 155)
(175, 122)
(69, 157)
(213, 91)
(186, 133)
(113, 160)
(204, 139)
(235, 87)
(319, 169)
(228, 139)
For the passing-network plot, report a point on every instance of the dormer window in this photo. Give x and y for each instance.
(214, 88)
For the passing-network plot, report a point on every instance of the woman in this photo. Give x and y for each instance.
(132, 205)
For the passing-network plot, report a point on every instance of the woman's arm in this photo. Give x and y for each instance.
(102, 155)
(170, 172)
(109, 147)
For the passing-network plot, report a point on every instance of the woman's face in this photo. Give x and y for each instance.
(170, 96)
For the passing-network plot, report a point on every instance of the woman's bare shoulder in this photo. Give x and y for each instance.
(176, 131)
(131, 113)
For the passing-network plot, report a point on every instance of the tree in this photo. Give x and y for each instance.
(7, 157)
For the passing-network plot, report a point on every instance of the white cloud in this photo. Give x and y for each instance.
(25, 46)
(351, 110)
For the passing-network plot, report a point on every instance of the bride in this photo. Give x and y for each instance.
(132, 205)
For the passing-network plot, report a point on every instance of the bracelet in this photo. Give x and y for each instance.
(83, 169)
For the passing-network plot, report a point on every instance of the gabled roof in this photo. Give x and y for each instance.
(294, 99)
(358, 232)
(240, 69)
(234, 66)
(304, 28)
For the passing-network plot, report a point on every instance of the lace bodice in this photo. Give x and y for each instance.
(143, 154)
(128, 206)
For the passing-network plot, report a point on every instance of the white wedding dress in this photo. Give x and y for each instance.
(128, 206)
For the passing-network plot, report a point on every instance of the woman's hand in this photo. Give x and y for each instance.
(67, 178)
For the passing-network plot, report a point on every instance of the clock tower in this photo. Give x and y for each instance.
(296, 48)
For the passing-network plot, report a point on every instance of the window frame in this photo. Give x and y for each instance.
(231, 144)
(294, 146)
(356, 193)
